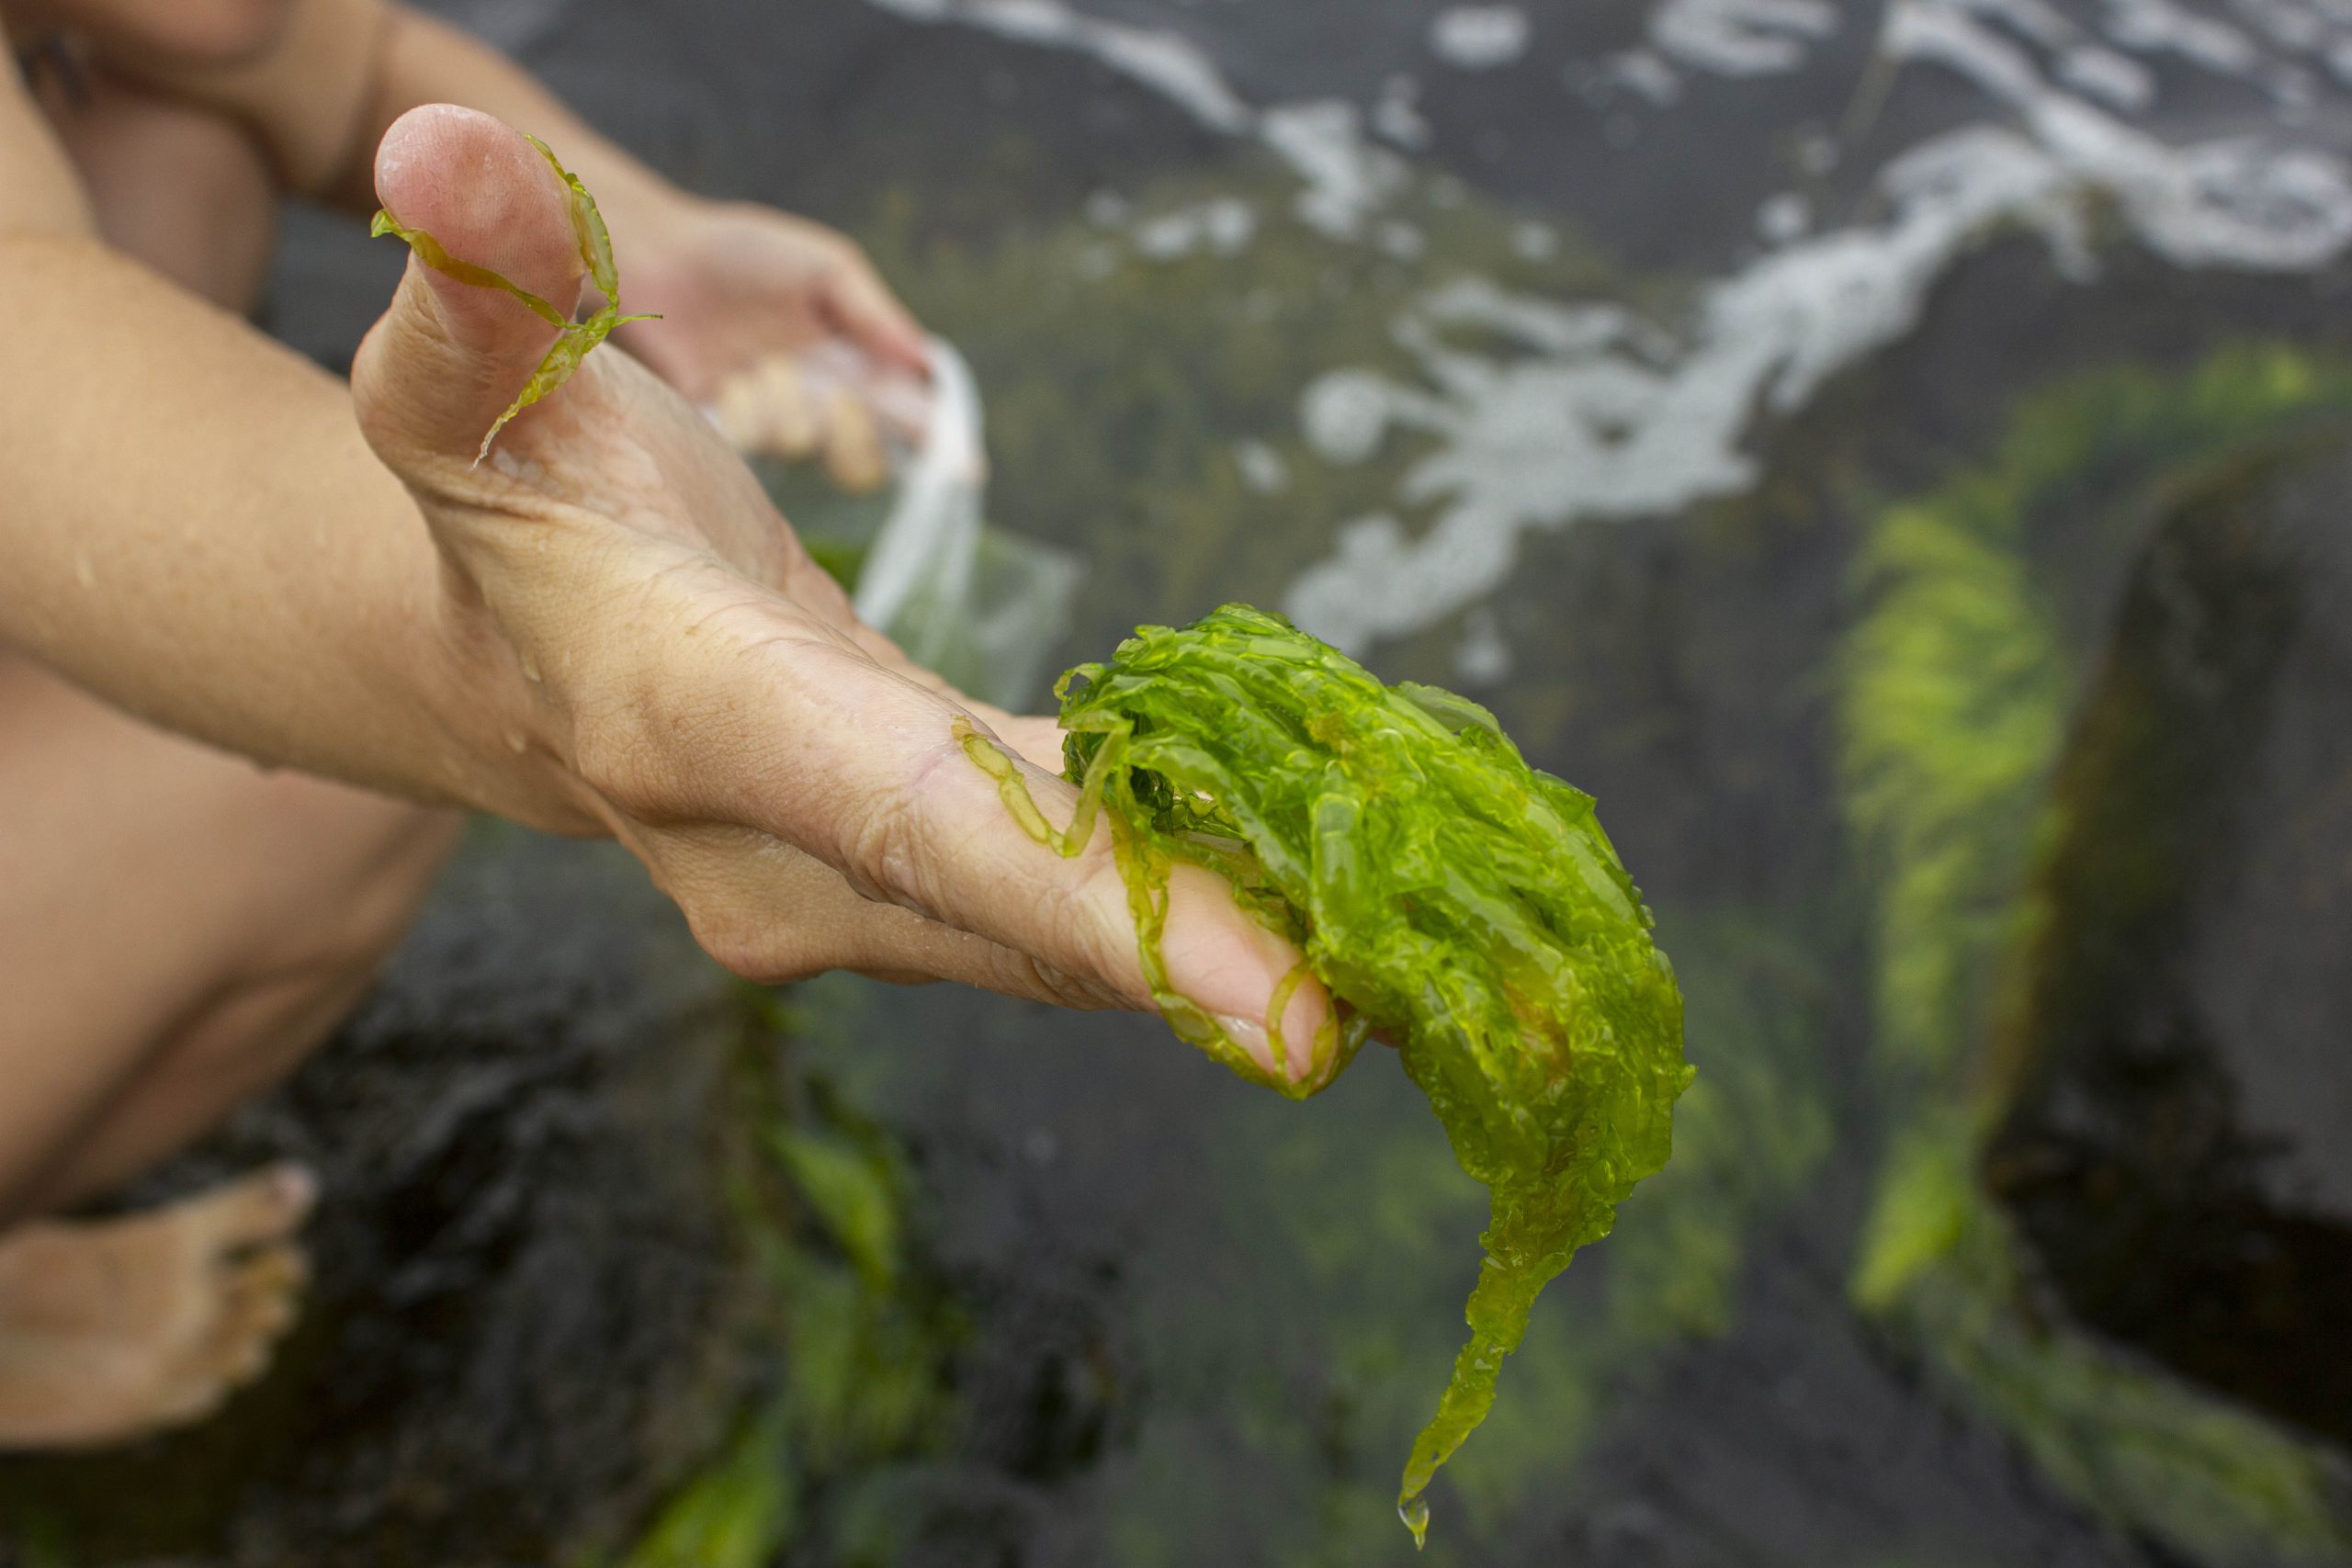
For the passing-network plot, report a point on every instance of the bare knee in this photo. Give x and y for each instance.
(329, 881)
(184, 190)
(183, 927)
(221, 33)
(367, 863)
(187, 34)
(306, 954)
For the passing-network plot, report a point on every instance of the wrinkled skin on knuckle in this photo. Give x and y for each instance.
(885, 855)
(1115, 971)
(1077, 992)
(619, 760)
(884, 839)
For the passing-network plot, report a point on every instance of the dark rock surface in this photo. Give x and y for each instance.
(2178, 1152)
(520, 1330)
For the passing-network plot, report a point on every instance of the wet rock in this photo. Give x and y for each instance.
(2178, 1150)
(523, 1327)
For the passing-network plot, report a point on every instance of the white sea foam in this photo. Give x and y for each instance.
(1166, 63)
(1222, 226)
(2161, 26)
(1590, 411)
(1783, 218)
(1740, 38)
(1648, 75)
(1479, 37)
(2247, 202)
(1397, 115)
(1347, 178)
(1591, 421)
(1600, 416)
(1261, 467)
(2116, 80)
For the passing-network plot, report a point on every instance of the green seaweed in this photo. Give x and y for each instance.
(574, 340)
(1445, 892)
(1954, 708)
(842, 1318)
(735, 1515)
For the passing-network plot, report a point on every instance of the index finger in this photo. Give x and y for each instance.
(879, 787)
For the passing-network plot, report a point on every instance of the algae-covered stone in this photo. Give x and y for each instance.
(2021, 871)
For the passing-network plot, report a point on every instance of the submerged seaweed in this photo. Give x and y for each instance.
(1450, 896)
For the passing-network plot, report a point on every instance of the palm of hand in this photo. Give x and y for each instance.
(735, 283)
(616, 505)
(662, 655)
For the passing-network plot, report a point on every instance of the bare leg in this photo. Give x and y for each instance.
(107, 1331)
(180, 930)
(184, 928)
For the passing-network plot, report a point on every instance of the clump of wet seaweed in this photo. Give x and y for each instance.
(1445, 892)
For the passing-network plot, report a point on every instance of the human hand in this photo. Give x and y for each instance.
(655, 656)
(751, 301)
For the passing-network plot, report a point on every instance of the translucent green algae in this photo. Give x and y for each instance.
(1462, 903)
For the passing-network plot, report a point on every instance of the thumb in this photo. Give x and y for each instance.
(455, 348)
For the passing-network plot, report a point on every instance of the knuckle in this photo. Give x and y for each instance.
(1026, 975)
(1114, 973)
(610, 758)
(886, 846)
(1012, 973)
(882, 858)
(618, 758)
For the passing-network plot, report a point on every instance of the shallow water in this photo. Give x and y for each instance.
(1890, 455)
(1621, 373)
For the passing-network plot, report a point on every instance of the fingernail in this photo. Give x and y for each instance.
(1252, 1038)
(295, 1187)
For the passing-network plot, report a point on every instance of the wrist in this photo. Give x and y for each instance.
(506, 749)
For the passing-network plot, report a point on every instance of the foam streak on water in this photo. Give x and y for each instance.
(1595, 422)
(1741, 37)
(1479, 37)
(1164, 61)
(1593, 413)
(1585, 427)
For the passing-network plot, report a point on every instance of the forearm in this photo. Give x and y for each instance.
(194, 529)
